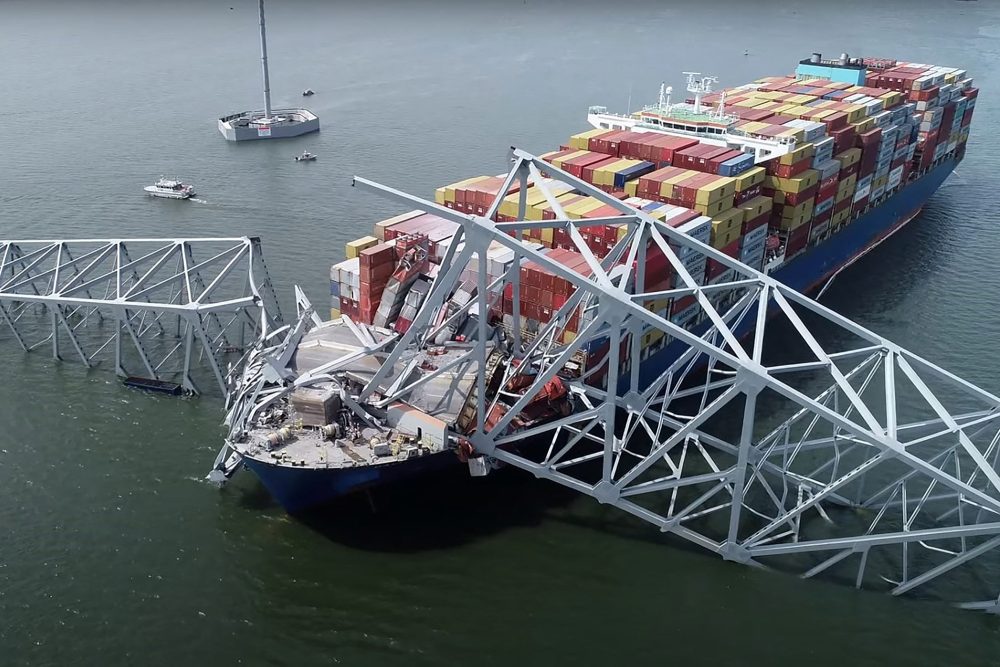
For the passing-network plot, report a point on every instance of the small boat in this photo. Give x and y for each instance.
(305, 157)
(170, 189)
(308, 92)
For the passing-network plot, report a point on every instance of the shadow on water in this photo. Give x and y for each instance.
(439, 510)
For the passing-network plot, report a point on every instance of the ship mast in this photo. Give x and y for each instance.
(263, 62)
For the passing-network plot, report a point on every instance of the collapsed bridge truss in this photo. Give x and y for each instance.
(169, 309)
(777, 433)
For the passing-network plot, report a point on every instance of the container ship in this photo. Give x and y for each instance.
(796, 176)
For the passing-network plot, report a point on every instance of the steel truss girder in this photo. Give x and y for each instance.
(164, 307)
(701, 457)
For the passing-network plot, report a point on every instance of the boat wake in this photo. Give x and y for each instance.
(197, 200)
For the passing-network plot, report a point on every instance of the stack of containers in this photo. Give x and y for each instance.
(345, 288)
(376, 266)
(411, 305)
(474, 195)
(437, 230)
(392, 291)
(542, 292)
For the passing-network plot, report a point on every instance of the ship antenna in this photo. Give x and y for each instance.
(263, 61)
(699, 87)
(628, 107)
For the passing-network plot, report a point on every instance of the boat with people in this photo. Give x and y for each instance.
(305, 157)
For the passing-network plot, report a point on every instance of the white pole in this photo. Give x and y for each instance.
(263, 62)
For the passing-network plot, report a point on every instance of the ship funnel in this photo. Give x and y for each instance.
(815, 58)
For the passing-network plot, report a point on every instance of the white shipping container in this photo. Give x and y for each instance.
(894, 181)
(754, 235)
(861, 193)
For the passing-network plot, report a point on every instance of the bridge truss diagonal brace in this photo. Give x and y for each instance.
(160, 295)
(635, 445)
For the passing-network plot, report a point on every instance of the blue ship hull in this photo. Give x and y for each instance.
(298, 489)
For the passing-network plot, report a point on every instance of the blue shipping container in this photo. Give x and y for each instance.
(632, 173)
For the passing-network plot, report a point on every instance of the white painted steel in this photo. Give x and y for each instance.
(805, 446)
(142, 301)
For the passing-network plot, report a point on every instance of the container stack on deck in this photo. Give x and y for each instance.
(855, 143)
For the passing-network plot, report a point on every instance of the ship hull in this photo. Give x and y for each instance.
(298, 489)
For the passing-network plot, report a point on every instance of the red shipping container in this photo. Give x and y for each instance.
(714, 269)
(795, 198)
(834, 122)
(665, 147)
(752, 224)
(842, 205)
(715, 162)
(825, 193)
(870, 138)
(747, 194)
(789, 170)
(796, 239)
(733, 249)
(822, 217)
(924, 95)
(680, 303)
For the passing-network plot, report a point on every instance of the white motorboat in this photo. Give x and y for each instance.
(170, 189)
(305, 157)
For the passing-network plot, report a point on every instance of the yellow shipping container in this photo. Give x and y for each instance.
(892, 97)
(879, 182)
(447, 193)
(843, 194)
(793, 133)
(783, 107)
(756, 206)
(547, 236)
(848, 158)
(801, 99)
(536, 212)
(334, 313)
(561, 161)
(714, 208)
(848, 183)
(750, 178)
(631, 187)
(840, 217)
(622, 231)
(803, 181)
(726, 223)
(380, 227)
(767, 94)
(862, 124)
(818, 115)
(748, 103)
(752, 126)
(356, 246)
(579, 208)
(788, 224)
(800, 153)
(568, 336)
(805, 208)
(722, 188)
(582, 141)
(855, 113)
(606, 174)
